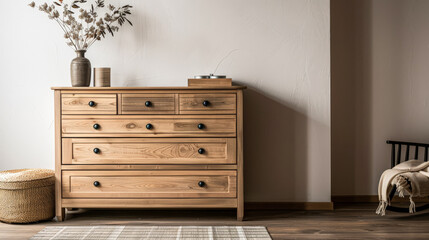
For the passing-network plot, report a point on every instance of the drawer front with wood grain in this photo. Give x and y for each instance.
(148, 104)
(149, 151)
(207, 103)
(88, 104)
(149, 184)
(150, 126)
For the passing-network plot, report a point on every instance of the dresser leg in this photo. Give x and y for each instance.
(240, 213)
(61, 215)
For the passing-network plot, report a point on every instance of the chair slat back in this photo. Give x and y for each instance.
(396, 154)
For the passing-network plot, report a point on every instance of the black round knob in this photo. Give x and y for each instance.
(206, 103)
(148, 104)
(149, 126)
(96, 183)
(96, 126)
(201, 126)
(96, 150)
(91, 103)
(201, 183)
(201, 150)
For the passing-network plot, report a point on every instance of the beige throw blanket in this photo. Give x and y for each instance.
(410, 178)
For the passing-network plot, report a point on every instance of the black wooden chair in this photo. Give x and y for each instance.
(396, 156)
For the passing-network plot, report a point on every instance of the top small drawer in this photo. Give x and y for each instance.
(88, 104)
(207, 103)
(146, 103)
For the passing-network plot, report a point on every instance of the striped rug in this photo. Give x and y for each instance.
(112, 232)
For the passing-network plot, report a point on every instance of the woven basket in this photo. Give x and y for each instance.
(27, 195)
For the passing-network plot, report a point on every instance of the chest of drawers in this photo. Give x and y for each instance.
(153, 147)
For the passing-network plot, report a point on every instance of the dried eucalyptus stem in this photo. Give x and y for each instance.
(81, 33)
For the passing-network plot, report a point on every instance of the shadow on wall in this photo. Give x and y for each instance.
(275, 150)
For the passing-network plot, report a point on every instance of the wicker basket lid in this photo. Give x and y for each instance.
(26, 178)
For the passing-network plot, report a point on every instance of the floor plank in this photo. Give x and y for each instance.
(357, 221)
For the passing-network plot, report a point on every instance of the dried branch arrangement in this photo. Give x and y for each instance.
(88, 28)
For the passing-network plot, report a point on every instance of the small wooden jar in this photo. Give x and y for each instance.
(101, 77)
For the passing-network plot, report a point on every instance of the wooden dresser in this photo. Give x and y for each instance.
(149, 147)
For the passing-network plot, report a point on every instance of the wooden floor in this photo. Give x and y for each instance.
(357, 221)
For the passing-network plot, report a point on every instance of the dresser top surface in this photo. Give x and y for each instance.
(151, 88)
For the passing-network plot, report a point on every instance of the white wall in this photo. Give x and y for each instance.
(380, 59)
(278, 48)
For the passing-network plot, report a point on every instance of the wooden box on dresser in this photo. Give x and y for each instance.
(149, 147)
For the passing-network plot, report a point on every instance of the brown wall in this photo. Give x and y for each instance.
(379, 86)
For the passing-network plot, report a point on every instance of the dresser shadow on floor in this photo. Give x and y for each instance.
(169, 216)
(120, 215)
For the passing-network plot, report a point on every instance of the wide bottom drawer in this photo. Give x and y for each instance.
(149, 184)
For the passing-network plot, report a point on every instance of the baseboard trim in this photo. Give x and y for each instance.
(289, 206)
(354, 198)
(372, 199)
